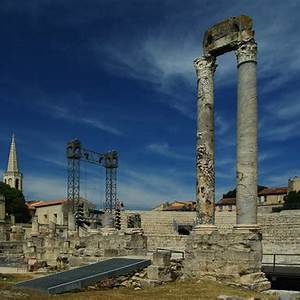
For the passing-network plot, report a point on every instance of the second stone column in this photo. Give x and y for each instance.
(246, 176)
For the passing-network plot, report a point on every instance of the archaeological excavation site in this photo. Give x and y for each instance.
(70, 246)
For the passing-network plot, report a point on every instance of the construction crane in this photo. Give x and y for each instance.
(109, 160)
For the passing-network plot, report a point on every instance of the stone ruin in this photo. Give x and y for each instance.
(235, 256)
(233, 34)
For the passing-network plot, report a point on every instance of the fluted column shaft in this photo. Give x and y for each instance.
(246, 176)
(205, 157)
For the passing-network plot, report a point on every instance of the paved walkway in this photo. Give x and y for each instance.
(82, 277)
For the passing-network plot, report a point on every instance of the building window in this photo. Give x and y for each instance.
(17, 184)
(229, 207)
(46, 218)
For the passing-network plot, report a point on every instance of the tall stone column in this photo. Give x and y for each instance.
(246, 176)
(205, 158)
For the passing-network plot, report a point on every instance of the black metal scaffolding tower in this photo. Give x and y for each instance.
(108, 160)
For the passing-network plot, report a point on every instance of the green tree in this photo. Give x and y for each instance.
(232, 193)
(292, 200)
(15, 203)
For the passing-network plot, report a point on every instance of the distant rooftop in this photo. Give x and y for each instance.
(41, 203)
(273, 191)
(177, 206)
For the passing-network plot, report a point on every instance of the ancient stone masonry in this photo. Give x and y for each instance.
(246, 134)
(234, 256)
(233, 34)
(205, 181)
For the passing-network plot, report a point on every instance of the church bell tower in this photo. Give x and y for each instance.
(13, 177)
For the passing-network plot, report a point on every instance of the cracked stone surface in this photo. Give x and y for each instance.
(205, 170)
(246, 168)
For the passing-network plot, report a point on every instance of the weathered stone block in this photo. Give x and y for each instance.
(162, 258)
(233, 257)
(159, 273)
(149, 282)
(225, 36)
(111, 252)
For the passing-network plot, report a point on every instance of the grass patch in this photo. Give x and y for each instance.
(7, 280)
(176, 290)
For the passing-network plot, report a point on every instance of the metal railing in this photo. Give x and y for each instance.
(276, 262)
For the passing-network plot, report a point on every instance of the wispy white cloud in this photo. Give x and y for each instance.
(164, 57)
(225, 161)
(140, 188)
(281, 117)
(281, 179)
(52, 159)
(99, 125)
(165, 150)
(44, 187)
(282, 132)
(222, 125)
(63, 112)
(286, 107)
(268, 155)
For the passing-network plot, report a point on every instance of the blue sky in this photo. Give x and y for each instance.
(119, 75)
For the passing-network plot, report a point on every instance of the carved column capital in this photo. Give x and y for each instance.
(205, 65)
(246, 52)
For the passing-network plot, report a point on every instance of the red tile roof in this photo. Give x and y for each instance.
(226, 201)
(34, 204)
(181, 205)
(273, 191)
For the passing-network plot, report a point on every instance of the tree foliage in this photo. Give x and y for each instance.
(15, 203)
(292, 200)
(232, 193)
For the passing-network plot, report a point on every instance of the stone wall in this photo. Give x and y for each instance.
(116, 244)
(167, 241)
(225, 218)
(52, 213)
(281, 231)
(281, 235)
(88, 248)
(161, 222)
(233, 257)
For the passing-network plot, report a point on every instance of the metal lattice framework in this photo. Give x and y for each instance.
(108, 160)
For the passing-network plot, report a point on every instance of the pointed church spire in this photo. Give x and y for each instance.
(12, 165)
(13, 177)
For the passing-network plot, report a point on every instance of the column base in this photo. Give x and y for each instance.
(245, 228)
(204, 229)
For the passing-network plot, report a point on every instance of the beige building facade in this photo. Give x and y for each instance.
(294, 184)
(272, 196)
(55, 211)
